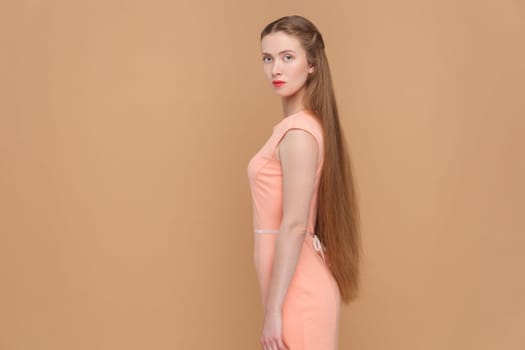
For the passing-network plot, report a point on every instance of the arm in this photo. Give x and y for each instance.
(298, 154)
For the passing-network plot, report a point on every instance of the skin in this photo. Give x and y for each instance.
(285, 59)
(290, 66)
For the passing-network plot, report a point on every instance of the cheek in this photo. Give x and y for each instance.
(299, 71)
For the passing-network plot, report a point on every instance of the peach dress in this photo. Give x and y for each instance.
(311, 306)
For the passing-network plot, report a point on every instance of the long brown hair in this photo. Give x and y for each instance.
(337, 223)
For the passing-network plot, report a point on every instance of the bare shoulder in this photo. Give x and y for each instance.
(297, 143)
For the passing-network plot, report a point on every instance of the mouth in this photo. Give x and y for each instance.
(278, 83)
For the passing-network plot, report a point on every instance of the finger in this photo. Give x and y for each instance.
(263, 344)
(281, 345)
(268, 344)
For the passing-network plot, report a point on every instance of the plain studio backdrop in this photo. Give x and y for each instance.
(125, 132)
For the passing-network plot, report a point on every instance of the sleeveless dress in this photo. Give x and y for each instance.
(311, 307)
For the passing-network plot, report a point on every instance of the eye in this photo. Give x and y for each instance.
(266, 57)
(288, 57)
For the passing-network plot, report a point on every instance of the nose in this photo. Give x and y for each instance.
(276, 69)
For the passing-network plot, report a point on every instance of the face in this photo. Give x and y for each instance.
(284, 59)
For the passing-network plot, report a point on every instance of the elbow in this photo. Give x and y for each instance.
(296, 229)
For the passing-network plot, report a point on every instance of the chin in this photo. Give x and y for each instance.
(283, 93)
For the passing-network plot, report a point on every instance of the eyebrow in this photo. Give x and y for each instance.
(264, 53)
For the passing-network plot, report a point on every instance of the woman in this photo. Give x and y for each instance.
(307, 244)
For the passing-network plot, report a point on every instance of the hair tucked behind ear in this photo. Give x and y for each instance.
(337, 222)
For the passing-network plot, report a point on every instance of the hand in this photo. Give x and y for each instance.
(271, 338)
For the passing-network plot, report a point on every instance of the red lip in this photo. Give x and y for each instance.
(278, 82)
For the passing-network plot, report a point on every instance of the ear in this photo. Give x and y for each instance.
(310, 69)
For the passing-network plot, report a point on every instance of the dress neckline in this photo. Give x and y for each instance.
(302, 111)
(291, 115)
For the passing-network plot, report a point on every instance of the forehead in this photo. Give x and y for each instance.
(276, 42)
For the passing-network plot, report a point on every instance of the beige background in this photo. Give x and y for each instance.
(126, 129)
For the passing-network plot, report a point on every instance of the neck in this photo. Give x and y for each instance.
(293, 104)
